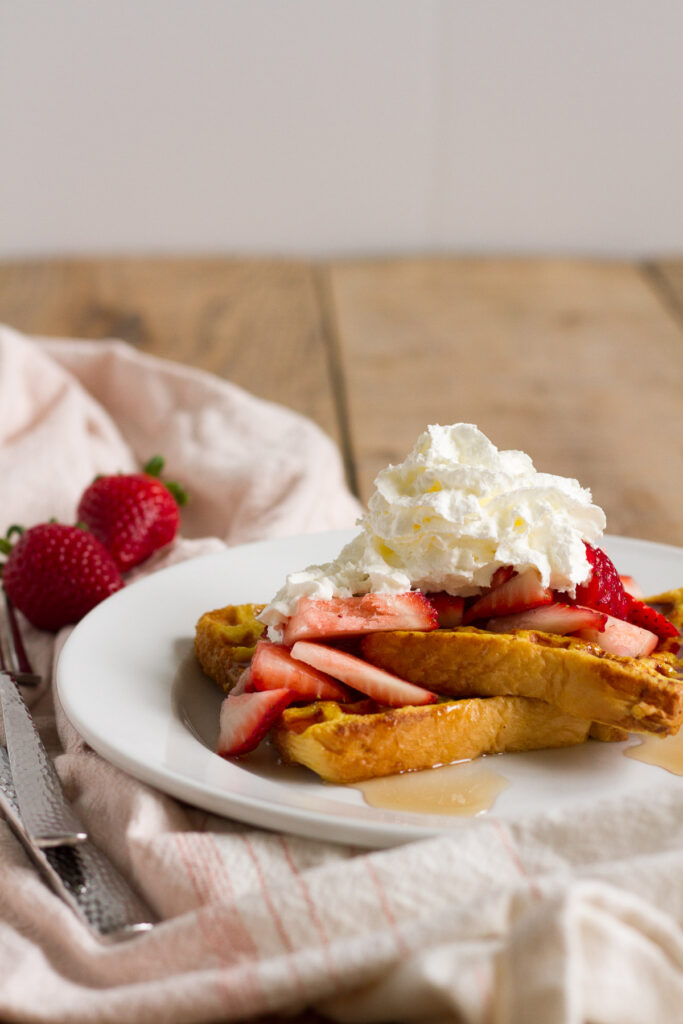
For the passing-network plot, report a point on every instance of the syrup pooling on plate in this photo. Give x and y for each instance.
(465, 790)
(663, 752)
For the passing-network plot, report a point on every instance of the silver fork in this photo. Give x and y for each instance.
(16, 660)
(81, 874)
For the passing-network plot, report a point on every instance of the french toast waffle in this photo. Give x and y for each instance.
(351, 743)
(635, 694)
(525, 691)
(476, 602)
(225, 640)
(621, 694)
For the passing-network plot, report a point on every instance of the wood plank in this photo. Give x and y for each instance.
(577, 363)
(256, 323)
(666, 277)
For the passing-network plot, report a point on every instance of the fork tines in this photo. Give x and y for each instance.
(13, 656)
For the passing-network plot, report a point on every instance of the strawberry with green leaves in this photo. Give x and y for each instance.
(55, 573)
(132, 514)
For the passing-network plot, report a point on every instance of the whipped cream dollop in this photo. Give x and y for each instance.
(447, 517)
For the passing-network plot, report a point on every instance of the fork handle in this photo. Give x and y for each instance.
(82, 875)
(48, 817)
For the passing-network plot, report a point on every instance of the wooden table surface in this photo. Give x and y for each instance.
(578, 363)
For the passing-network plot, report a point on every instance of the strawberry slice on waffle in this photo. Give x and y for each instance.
(604, 589)
(384, 687)
(273, 668)
(551, 618)
(516, 594)
(621, 638)
(606, 592)
(449, 609)
(354, 616)
(643, 615)
(246, 718)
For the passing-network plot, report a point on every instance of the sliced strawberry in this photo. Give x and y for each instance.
(449, 609)
(246, 719)
(604, 589)
(502, 574)
(374, 682)
(354, 616)
(515, 595)
(622, 638)
(243, 684)
(632, 588)
(550, 618)
(273, 667)
(641, 614)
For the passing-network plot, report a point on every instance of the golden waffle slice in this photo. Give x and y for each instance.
(635, 694)
(350, 743)
(607, 733)
(225, 640)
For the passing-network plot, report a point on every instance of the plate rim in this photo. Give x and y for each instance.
(370, 830)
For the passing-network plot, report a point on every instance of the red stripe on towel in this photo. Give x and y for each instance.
(310, 906)
(401, 943)
(509, 845)
(276, 918)
(215, 926)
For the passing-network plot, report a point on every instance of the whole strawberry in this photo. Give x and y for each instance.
(56, 573)
(133, 514)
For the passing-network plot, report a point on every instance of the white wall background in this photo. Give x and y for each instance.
(341, 126)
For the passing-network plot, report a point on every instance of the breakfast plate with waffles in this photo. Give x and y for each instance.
(477, 648)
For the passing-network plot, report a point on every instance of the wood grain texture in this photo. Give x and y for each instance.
(578, 363)
(256, 323)
(667, 278)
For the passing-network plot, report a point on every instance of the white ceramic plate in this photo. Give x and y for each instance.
(128, 681)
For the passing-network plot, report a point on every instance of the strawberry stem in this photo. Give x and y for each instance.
(154, 466)
(6, 541)
(178, 491)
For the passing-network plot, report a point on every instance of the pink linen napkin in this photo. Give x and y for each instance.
(558, 918)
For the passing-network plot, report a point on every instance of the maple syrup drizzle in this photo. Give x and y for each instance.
(665, 752)
(464, 789)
